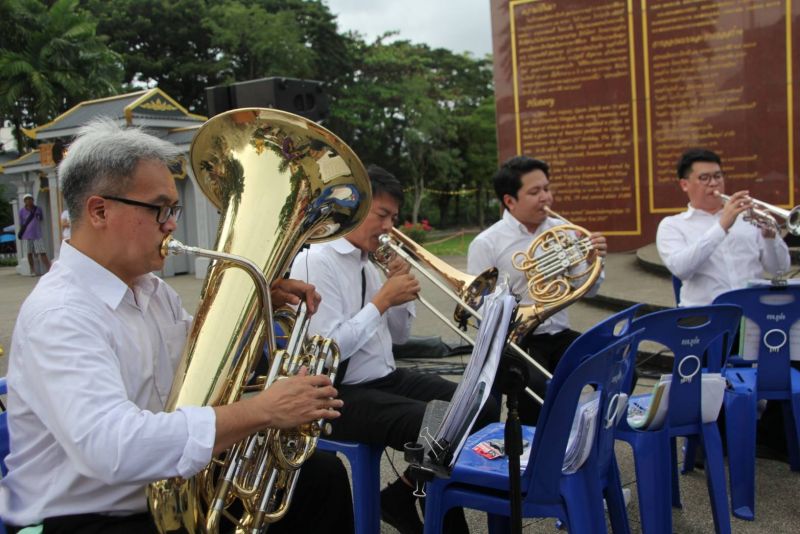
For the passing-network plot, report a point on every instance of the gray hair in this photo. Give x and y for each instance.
(102, 159)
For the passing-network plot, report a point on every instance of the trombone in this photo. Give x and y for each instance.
(762, 213)
(467, 291)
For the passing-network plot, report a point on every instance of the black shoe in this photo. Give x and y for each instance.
(398, 508)
(766, 452)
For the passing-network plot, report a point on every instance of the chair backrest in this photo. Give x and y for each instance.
(676, 288)
(5, 446)
(691, 334)
(604, 370)
(596, 338)
(774, 310)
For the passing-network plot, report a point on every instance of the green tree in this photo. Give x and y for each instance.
(184, 46)
(477, 141)
(406, 109)
(163, 43)
(53, 60)
(255, 43)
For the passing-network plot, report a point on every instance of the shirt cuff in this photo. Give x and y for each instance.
(201, 429)
(369, 315)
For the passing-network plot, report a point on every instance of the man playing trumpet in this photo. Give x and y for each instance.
(522, 185)
(709, 247)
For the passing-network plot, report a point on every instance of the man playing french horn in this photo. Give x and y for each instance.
(93, 356)
(522, 185)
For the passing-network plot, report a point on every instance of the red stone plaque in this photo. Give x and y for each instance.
(611, 92)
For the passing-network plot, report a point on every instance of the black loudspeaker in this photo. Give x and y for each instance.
(301, 97)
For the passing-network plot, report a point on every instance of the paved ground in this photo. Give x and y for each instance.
(626, 282)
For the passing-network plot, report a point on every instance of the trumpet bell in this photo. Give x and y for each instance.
(793, 221)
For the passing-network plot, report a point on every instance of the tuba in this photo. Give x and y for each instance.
(279, 181)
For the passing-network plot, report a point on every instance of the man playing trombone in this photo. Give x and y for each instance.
(709, 247)
(522, 185)
(384, 404)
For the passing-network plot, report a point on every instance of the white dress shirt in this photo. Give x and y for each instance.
(709, 261)
(363, 334)
(90, 369)
(495, 246)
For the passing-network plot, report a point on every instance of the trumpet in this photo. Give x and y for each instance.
(465, 290)
(762, 214)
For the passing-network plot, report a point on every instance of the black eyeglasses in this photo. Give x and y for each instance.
(163, 213)
(706, 177)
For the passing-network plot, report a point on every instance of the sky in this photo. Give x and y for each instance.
(459, 25)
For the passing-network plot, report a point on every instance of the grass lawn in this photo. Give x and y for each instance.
(454, 246)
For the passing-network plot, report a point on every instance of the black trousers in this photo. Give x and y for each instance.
(389, 411)
(322, 503)
(547, 349)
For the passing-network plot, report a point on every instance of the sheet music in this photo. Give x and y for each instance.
(581, 436)
(476, 385)
(750, 340)
(647, 412)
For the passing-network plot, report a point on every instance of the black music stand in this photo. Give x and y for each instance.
(512, 377)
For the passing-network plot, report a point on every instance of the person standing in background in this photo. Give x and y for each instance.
(30, 232)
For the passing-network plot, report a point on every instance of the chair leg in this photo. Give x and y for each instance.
(791, 425)
(673, 470)
(498, 524)
(715, 478)
(367, 489)
(435, 507)
(740, 433)
(689, 454)
(615, 500)
(583, 497)
(651, 459)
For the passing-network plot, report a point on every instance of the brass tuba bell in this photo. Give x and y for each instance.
(279, 181)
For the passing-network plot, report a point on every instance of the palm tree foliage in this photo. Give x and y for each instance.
(51, 59)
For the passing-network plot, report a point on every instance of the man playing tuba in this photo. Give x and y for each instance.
(93, 356)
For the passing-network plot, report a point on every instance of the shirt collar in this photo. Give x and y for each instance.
(691, 210)
(346, 248)
(513, 223)
(104, 284)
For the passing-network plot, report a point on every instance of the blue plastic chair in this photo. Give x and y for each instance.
(365, 469)
(576, 499)
(593, 340)
(655, 454)
(774, 310)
